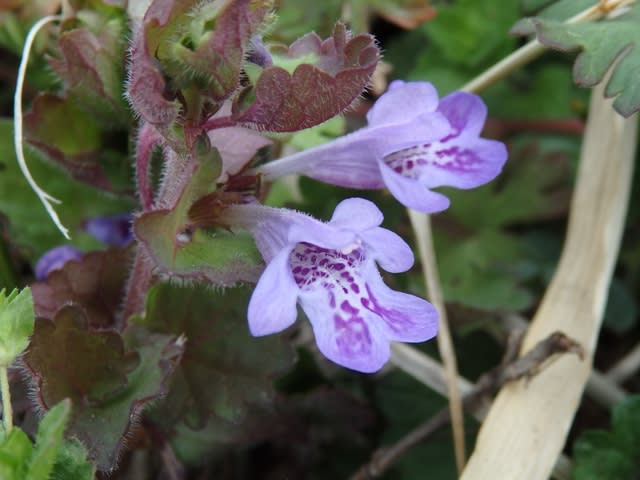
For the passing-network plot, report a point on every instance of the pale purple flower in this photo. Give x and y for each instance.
(330, 270)
(412, 144)
(112, 230)
(55, 259)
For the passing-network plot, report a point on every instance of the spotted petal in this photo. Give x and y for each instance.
(402, 317)
(344, 335)
(272, 307)
(466, 112)
(412, 193)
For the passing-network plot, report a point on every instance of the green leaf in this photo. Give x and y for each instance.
(601, 455)
(602, 44)
(30, 225)
(560, 10)
(16, 324)
(626, 425)
(480, 30)
(622, 309)
(70, 137)
(478, 271)
(48, 441)
(15, 451)
(224, 369)
(220, 257)
(597, 457)
(72, 464)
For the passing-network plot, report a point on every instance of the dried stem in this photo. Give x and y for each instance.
(514, 369)
(44, 197)
(422, 227)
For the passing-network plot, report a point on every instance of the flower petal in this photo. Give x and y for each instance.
(55, 259)
(388, 249)
(402, 101)
(412, 193)
(356, 214)
(344, 336)
(466, 112)
(464, 164)
(272, 307)
(402, 317)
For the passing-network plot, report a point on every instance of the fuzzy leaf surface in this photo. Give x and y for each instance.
(318, 79)
(179, 250)
(611, 44)
(91, 66)
(224, 370)
(16, 323)
(108, 383)
(95, 282)
(72, 138)
(49, 441)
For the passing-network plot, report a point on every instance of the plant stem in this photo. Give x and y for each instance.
(534, 48)
(421, 224)
(7, 410)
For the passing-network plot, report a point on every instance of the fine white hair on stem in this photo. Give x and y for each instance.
(44, 197)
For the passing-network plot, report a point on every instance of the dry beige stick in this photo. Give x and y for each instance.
(527, 424)
(626, 367)
(421, 224)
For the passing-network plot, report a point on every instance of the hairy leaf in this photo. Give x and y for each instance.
(72, 464)
(92, 63)
(180, 250)
(48, 441)
(315, 81)
(95, 282)
(224, 370)
(70, 137)
(68, 360)
(108, 384)
(611, 44)
(16, 324)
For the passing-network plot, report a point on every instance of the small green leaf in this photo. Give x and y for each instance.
(602, 44)
(224, 369)
(16, 324)
(560, 10)
(15, 452)
(72, 464)
(220, 257)
(48, 441)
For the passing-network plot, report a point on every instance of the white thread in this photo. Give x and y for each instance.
(44, 197)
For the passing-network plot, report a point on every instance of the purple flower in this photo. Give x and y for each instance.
(412, 143)
(330, 270)
(55, 259)
(112, 230)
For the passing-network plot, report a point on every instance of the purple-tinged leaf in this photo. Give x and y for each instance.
(72, 139)
(55, 259)
(224, 371)
(108, 384)
(339, 70)
(96, 283)
(182, 250)
(92, 70)
(215, 58)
